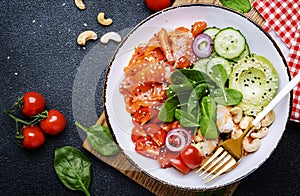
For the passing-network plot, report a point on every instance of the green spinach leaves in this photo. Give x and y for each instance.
(193, 96)
(242, 6)
(73, 168)
(100, 138)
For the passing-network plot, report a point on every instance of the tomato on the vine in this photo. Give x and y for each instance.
(33, 137)
(54, 123)
(33, 103)
(191, 156)
(156, 5)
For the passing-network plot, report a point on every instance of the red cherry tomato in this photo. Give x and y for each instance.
(33, 137)
(156, 5)
(138, 132)
(198, 27)
(143, 115)
(165, 156)
(191, 156)
(33, 103)
(147, 147)
(180, 165)
(54, 123)
(157, 134)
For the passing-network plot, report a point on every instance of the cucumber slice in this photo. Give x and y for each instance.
(229, 43)
(244, 54)
(201, 64)
(211, 31)
(218, 60)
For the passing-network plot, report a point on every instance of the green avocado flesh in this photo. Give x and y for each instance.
(257, 80)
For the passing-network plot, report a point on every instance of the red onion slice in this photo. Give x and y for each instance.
(202, 45)
(177, 139)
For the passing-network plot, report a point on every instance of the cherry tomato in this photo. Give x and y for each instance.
(191, 156)
(33, 137)
(157, 134)
(156, 5)
(180, 165)
(54, 123)
(33, 103)
(138, 132)
(165, 156)
(143, 115)
(182, 62)
(198, 27)
(147, 147)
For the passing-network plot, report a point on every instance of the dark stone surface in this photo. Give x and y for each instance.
(39, 52)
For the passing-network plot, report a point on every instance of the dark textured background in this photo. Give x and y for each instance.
(39, 52)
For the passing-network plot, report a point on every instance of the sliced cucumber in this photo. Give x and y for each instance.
(229, 43)
(211, 31)
(201, 64)
(244, 54)
(218, 60)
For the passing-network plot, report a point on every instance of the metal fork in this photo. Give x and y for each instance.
(230, 152)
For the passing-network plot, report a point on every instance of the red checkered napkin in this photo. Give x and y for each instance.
(283, 17)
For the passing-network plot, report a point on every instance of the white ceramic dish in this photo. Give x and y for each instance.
(120, 121)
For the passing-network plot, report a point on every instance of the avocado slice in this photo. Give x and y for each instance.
(256, 78)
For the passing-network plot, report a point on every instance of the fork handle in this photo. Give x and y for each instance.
(277, 99)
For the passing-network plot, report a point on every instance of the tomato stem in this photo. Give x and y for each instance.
(15, 118)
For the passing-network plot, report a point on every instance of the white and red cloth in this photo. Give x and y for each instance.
(283, 16)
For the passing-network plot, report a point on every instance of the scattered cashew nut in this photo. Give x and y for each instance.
(236, 133)
(268, 119)
(251, 146)
(85, 36)
(103, 21)
(110, 36)
(80, 4)
(237, 114)
(260, 133)
(246, 120)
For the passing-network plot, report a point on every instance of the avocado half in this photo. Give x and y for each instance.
(257, 79)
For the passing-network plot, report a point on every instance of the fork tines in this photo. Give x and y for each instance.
(219, 163)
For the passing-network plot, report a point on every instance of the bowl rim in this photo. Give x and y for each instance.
(120, 46)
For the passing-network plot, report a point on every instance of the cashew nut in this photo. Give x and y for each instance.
(251, 146)
(103, 21)
(85, 36)
(224, 119)
(268, 119)
(110, 36)
(237, 114)
(80, 4)
(236, 133)
(260, 133)
(246, 120)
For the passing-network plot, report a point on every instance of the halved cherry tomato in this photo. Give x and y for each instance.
(165, 156)
(33, 137)
(54, 123)
(169, 126)
(182, 62)
(156, 5)
(191, 157)
(147, 147)
(138, 132)
(180, 165)
(33, 103)
(198, 27)
(157, 134)
(144, 115)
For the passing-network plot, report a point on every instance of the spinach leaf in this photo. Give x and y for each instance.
(208, 118)
(100, 139)
(73, 168)
(242, 6)
(167, 112)
(220, 76)
(192, 76)
(233, 96)
(186, 119)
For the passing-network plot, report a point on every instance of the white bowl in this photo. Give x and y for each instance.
(120, 121)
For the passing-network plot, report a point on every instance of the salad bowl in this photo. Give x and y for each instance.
(120, 121)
